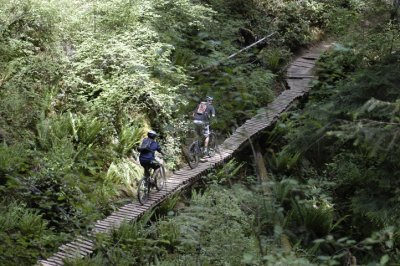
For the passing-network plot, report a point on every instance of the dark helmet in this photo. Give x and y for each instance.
(209, 98)
(152, 134)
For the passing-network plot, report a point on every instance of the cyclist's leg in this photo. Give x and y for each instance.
(154, 164)
(146, 165)
(206, 133)
(198, 128)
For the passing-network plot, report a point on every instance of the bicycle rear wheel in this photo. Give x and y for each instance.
(143, 190)
(160, 178)
(212, 144)
(193, 156)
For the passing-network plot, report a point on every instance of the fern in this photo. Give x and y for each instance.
(125, 174)
(129, 137)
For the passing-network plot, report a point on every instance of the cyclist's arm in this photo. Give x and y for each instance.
(212, 111)
(159, 149)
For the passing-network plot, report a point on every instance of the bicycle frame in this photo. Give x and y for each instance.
(197, 149)
(156, 179)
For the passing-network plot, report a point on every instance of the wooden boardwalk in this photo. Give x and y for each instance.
(299, 75)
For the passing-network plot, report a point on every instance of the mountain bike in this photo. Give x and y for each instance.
(157, 180)
(197, 150)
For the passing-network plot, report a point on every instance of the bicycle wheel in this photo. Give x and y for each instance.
(212, 144)
(143, 190)
(160, 178)
(193, 157)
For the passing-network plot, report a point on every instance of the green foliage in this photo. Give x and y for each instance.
(274, 58)
(30, 66)
(236, 105)
(346, 135)
(131, 243)
(226, 174)
(312, 220)
(80, 82)
(12, 158)
(125, 174)
(194, 235)
(218, 226)
(129, 137)
(25, 235)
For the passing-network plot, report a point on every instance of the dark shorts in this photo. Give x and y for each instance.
(147, 165)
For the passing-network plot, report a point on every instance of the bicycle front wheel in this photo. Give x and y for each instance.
(160, 178)
(193, 157)
(143, 190)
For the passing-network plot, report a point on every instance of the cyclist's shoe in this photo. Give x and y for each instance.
(203, 159)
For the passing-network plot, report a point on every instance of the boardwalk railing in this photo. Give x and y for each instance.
(299, 75)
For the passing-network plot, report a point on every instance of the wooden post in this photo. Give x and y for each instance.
(261, 169)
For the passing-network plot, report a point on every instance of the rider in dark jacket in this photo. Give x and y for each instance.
(147, 153)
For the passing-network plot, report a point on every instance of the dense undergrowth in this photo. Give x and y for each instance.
(332, 196)
(80, 83)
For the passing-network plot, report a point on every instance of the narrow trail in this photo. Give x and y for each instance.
(299, 76)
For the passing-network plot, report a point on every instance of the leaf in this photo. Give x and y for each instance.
(247, 258)
(384, 259)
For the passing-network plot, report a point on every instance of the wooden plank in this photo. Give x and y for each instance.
(254, 122)
(85, 248)
(175, 178)
(47, 263)
(304, 61)
(72, 250)
(298, 71)
(98, 230)
(237, 138)
(127, 216)
(104, 227)
(180, 178)
(300, 67)
(103, 222)
(83, 251)
(311, 56)
(112, 219)
(180, 172)
(304, 64)
(66, 255)
(299, 76)
(129, 211)
(56, 260)
(85, 241)
(173, 183)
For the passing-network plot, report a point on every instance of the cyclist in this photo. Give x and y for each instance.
(147, 153)
(202, 116)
